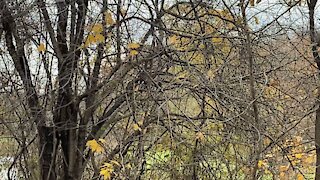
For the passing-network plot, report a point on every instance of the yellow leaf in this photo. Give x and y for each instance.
(136, 127)
(90, 39)
(299, 156)
(266, 171)
(220, 125)
(102, 141)
(280, 108)
(199, 136)
(283, 168)
(115, 162)
(309, 160)
(282, 176)
(300, 177)
(94, 146)
(266, 141)
(128, 166)
(211, 74)
(287, 97)
(41, 47)
(270, 92)
(215, 12)
(108, 18)
(140, 123)
(261, 163)
(202, 46)
(256, 20)
(172, 40)
(106, 171)
(269, 155)
(181, 75)
(107, 165)
(295, 162)
(217, 40)
(134, 52)
(133, 45)
(97, 28)
(99, 38)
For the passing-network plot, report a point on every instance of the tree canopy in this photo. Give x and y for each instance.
(159, 89)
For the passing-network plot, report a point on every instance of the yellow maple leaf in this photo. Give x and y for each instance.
(261, 163)
(300, 177)
(41, 47)
(90, 39)
(136, 127)
(94, 146)
(200, 136)
(133, 45)
(134, 52)
(108, 18)
(97, 28)
(172, 40)
(299, 156)
(106, 171)
(99, 38)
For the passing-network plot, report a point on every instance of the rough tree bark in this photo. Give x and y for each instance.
(315, 53)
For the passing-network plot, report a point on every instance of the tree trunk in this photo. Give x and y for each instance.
(314, 47)
(46, 146)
